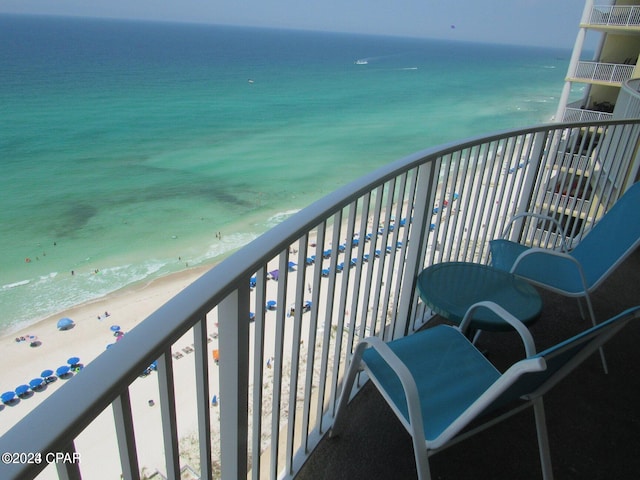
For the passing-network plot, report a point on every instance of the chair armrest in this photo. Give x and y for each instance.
(406, 379)
(523, 331)
(563, 244)
(532, 252)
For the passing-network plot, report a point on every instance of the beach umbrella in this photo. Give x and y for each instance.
(275, 274)
(271, 305)
(22, 389)
(73, 361)
(46, 373)
(36, 382)
(8, 397)
(63, 370)
(114, 328)
(65, 323)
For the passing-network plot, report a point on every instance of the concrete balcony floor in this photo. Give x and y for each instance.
(593, 419)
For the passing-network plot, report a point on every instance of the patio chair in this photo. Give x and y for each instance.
(576, 273)
(437, 382)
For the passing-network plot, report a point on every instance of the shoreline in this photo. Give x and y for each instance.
(127, 307)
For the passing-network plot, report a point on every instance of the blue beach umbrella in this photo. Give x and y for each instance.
(65, 323)
(114, 328)
(22, 390)
(46, 373)
(7, 397)
(63, 370)
(36, 382)
(271, 305)
(73, 361)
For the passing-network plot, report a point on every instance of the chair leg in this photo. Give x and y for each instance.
(592, 315)
(422, 459)
(543, 439)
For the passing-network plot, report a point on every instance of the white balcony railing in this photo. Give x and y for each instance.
(616, 16)
(584, 115)
(280, 371)
(614, 73)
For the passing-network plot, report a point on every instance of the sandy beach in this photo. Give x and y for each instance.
(87, 339)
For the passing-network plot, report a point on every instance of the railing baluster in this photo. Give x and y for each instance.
(426, 177)
(360, 267)
(168, 415)
(200, 342)
(125, 435)
(258, 372)
(68, 470)
(278, 363)
(327, 325)
(313, 329)
(292, 419)
(234, 383)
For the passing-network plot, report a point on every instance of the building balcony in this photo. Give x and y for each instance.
(339, 270)
(600, 73)
(614, 17)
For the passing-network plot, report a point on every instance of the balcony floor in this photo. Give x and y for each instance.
(593, 419)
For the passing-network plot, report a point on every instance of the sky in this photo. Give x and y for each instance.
(520, 22)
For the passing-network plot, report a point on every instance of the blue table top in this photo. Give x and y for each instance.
(450, 288)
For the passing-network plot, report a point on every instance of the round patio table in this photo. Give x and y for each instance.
(450, 288)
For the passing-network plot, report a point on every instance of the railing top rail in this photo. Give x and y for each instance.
(105, 378)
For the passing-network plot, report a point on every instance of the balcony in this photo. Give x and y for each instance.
(341, 269)
(614, 74)
(615, 16)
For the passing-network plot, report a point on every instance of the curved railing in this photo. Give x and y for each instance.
(628, 103)
(341, 269)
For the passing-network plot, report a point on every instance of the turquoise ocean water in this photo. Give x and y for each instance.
(125, 147)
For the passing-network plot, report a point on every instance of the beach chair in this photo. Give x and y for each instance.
(437, 382)
(576, 273)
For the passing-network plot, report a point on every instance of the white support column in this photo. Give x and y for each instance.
(575, 58)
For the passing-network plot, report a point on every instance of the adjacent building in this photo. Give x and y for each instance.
(606, 83)
(597, 78)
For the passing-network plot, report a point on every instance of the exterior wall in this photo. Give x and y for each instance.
(619, 45)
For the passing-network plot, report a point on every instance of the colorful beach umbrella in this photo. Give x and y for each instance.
(65, 323)
(36, 382)
(22, 390)
(73, 361)
(7, 397)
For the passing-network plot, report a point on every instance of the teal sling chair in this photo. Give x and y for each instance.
(576, 273)
(437, 382)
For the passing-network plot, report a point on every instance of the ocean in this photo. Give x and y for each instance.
(131, 150)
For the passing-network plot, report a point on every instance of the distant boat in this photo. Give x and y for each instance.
(250, 80)
(361, 62)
